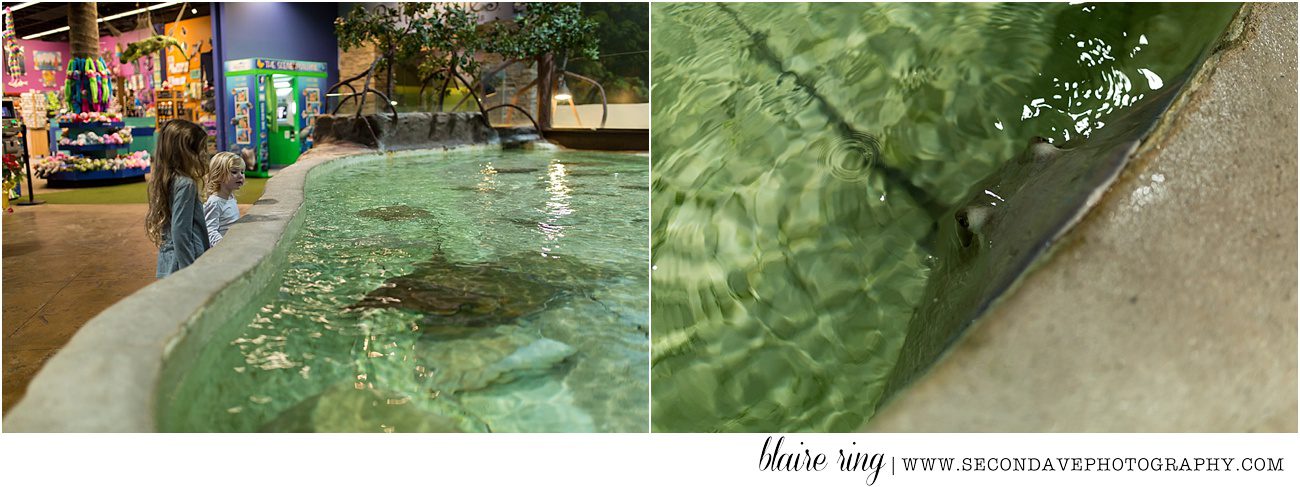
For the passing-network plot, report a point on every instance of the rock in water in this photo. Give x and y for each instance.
(473, 364)
(344, 409)
(530, 359)
(394, 213)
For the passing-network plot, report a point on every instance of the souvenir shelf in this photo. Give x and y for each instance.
(112, 156)
(172, 104)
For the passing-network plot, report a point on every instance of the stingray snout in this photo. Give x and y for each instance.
(970, 221)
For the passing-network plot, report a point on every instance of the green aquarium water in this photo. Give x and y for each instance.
(812, 164)
(468, 290)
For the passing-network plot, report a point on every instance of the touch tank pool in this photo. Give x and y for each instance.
(469, 290)
(838, 190)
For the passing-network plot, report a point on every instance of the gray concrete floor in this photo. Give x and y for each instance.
(62, 265)
(1172, 307)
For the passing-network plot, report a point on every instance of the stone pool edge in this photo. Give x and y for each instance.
(109, 375)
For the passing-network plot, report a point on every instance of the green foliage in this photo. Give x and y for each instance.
(449, 34)
(624, 33)
(451, 37)
(387, 28)
(549, 28)
(433, 37)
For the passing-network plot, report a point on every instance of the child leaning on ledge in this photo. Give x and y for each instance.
(225, 176)
(173, 223)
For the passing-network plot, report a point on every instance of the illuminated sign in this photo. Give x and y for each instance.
(274, 65)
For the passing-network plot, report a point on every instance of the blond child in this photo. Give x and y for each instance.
(225, 176)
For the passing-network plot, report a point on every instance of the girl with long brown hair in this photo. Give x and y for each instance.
(175, 222)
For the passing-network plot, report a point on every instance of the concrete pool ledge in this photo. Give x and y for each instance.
(116, 371)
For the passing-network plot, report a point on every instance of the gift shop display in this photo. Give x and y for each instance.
(93, 146)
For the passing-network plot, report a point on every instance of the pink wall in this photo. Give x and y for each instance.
(34, 80)
(31, 80)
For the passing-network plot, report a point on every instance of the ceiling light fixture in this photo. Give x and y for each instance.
(15, 8)
(105, 19)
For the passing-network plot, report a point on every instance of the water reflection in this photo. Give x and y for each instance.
(557, 185)
(1104, 80)
(489, 180)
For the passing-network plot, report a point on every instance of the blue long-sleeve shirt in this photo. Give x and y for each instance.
(187, 236)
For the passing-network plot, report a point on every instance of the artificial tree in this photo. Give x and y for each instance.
(451, 38)
(543, 33)
(393, 31)
(623, 30)
(444, 42)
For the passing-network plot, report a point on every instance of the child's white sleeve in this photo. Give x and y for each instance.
(212, 215)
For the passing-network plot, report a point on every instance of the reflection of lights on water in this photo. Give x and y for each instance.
(1152, 79)
(489, 181)
(558, 206)
(1115, 90)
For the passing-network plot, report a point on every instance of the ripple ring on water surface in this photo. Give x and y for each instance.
(851, 157)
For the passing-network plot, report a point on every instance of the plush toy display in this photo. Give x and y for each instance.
(88, 117)
(121, 137)
(89, 87)
(59, 162)
(15, 64)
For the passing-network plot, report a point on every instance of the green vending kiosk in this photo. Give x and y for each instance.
(272, 104)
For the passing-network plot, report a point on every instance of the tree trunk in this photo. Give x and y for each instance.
(83, 30)
(545, 74)
(389, 90)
